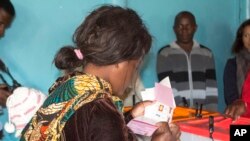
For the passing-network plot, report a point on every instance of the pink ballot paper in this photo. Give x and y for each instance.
(161, 110)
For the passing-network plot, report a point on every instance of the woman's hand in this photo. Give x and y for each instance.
(139, 108)
(236, 109)
(166, 132)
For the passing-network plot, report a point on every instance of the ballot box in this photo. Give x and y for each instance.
(201, 127)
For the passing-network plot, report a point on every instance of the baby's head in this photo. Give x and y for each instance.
(22, 105)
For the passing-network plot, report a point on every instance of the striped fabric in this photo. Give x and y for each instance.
(192, 75)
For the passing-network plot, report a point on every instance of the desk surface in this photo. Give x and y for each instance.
(195, 128)
(183, 113)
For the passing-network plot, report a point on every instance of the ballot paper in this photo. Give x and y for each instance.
(161, 110)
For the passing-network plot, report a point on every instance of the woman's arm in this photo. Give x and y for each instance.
(229, 80)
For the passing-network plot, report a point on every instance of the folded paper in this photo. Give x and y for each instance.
(161, 111)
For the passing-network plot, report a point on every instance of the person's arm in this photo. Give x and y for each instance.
(128, 116)
(137, 110)
(108, 124)
(97, 121)
(229, 80)
(236, 109)
(3, 97)
(240, 107)
(211, 84)
(163, 67)
(167, 132)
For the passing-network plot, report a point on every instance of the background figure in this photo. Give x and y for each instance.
(85, 105)
(236, 68)
(189, 65)
(7, 14)
(237, 75)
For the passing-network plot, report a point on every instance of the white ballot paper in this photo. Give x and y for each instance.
(161, 110)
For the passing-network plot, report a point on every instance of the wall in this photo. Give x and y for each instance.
(41, 27)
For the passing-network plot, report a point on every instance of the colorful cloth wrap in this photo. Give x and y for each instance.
(67, 94)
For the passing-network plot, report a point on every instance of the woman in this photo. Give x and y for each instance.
(86, 106)
(236, 73)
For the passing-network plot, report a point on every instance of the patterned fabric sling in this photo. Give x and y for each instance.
(67, 95)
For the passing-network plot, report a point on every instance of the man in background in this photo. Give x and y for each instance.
(7, 14)
(189, 65)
